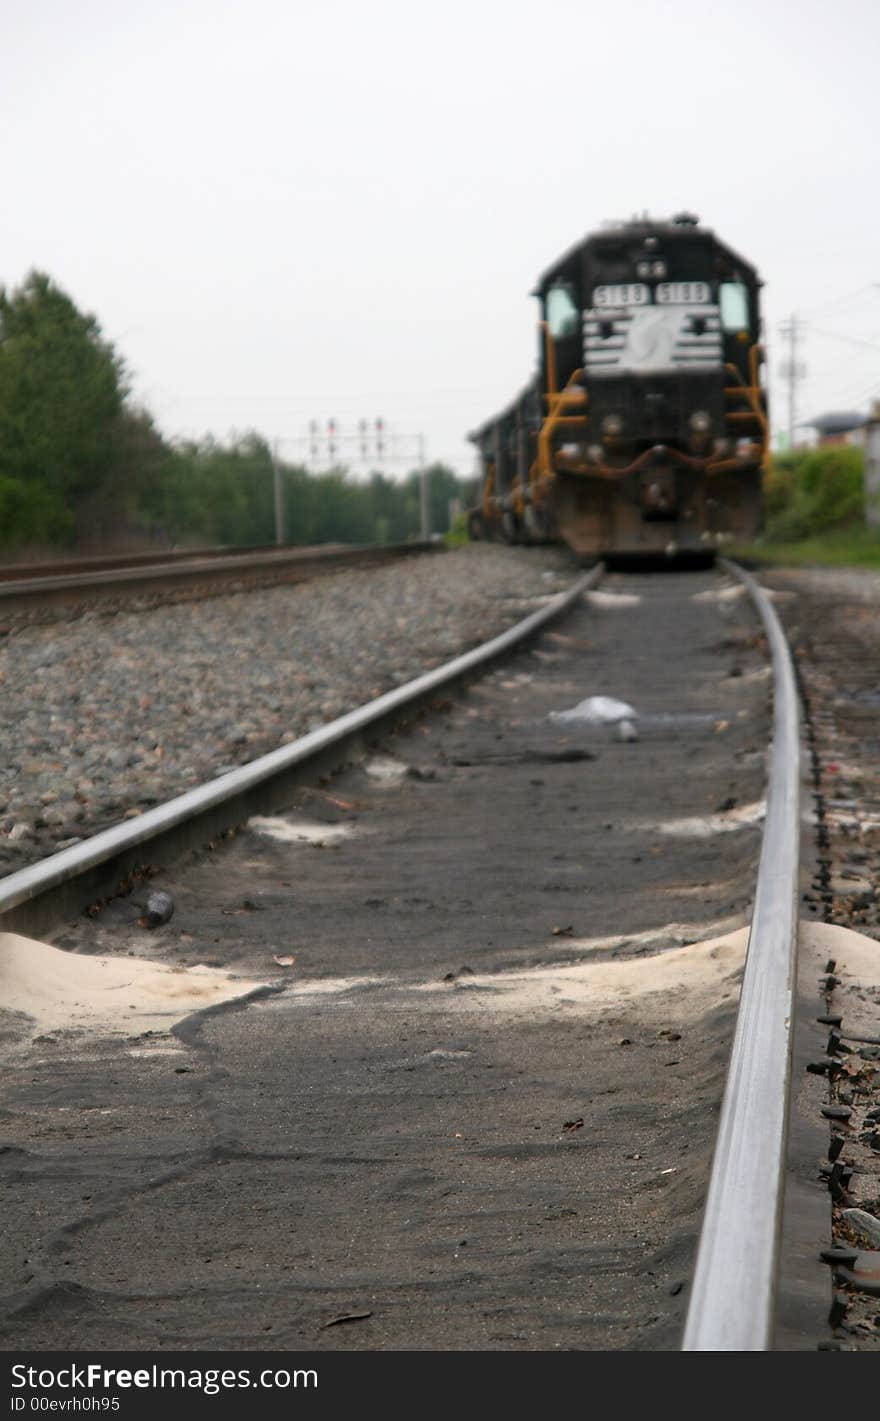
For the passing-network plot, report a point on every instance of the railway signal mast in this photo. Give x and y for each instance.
(328, 443)
(369, 445)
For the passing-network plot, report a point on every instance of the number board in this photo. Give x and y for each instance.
(633, 294)
(683, 293)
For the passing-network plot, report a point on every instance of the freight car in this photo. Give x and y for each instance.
(644, 430)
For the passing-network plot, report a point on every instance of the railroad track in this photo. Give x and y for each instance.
(480, 767)
(105, 581)
(108, 562)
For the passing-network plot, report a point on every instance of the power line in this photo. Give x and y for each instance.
(850, 340)
(843, 300)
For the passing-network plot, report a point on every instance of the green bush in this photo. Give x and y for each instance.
(458, 533)
(811, 491)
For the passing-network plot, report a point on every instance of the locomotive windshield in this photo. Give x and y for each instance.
(562, 310)
(734, 298)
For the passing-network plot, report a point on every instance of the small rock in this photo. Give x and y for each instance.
(626, 731)
(864, 1225)
(836, 1112)
(160, 907)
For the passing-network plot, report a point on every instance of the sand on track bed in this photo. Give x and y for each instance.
(67, 991)
(62, 990)
(105, 995)
(694, 977)
(702, 973)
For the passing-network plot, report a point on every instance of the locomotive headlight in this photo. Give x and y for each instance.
(611, 425)
(700, 422)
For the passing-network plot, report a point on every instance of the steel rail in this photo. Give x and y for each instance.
(202, 568)
(103, 562)
(232, 794)
(733, 1291)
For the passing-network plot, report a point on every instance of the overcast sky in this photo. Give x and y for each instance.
(282, 211)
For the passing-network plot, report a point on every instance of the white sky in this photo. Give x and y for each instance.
(285, 211)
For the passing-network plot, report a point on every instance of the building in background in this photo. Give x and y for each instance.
(837, 427)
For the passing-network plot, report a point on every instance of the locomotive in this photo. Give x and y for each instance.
(644, 430)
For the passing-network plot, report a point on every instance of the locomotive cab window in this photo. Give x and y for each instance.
(734, 302)
(562, 311)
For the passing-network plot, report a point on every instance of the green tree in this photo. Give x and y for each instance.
(208, 492)
(62, 417)
(443, 485)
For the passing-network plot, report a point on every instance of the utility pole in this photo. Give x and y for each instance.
(424, 492)
(872, 468)
(792, 371)
(279, 496)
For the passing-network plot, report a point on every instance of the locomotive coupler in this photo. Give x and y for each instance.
(658, 492)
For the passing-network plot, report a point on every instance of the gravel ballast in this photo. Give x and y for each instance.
(108, 714)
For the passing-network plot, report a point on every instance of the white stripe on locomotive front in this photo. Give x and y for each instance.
(652, 338)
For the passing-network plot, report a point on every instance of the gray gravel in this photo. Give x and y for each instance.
(108, 714)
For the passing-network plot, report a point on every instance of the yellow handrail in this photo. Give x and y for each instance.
(542, 472)
(488, 487)
(752, 393)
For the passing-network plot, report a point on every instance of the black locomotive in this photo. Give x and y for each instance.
(644, 430)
